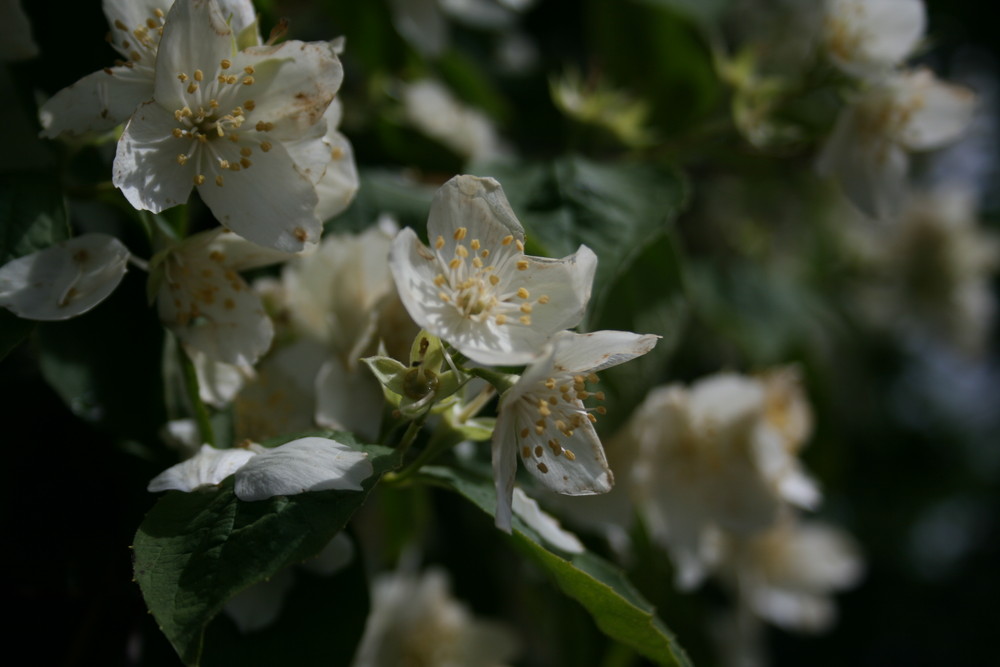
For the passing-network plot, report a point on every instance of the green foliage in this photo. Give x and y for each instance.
(617, 608)
(196, 550)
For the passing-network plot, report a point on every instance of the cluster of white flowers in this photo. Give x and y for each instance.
(715, 471)
(476, 290)
(895, 111)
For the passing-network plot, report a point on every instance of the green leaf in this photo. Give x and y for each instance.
(32, 215)
(617, 608)
(616, 210)
(196, 550)
(704, 10)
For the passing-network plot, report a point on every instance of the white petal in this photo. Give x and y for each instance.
(336, 555)
(940, 111)
(269, 203)
(195, 36)
(336, 189)
(146, 168)
(348, 399)
(422, 24)
(294, 83)
(868, 37)
(592, 352)
(211, 309)
(586, 473)
(65, 280)
(97, 102)
(259, 606)
(503, 448)
(727, 401)
(206, 468)
(477, 204)
(238, 254)
(307, 464)
(218, 383)
(544, 524)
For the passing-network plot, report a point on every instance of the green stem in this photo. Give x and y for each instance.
(201, 416)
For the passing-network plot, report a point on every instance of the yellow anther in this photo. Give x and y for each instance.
(216, 256)
(178, 132)
(569, 455)
(525, 320)
(151, 23)
(601, 410)
(225, 63)
(543, 299)
(182, 159)
(507, 240)
(526, 308)
(202, 138)
(248, 81)
(248, 69)
(525, 451)
(245, 162)
(494, 279)
(550, 383)
(591, 417)
(182, 76)
(485, 253)
(224, 164)
(460, 233)
(199, 179)
(582, 395)
(199, 75)
(519, 246)
(300, 235)
(501, 319)
(476, 262)
(265, 146)
(524, 434)
(235, 167)
(230, 78)
(120, 25)
(539, 429)
(192, 87)
(444, 297)
(246, 151)
(218, 180)
(461, 251)
(439, 280)
(553, 400)
(263, 126)
(542, 468)
(523, 293)
(158, 13)
(134, 56)
(538, 450)
(599, 395)
(522, 265)
(592, 377)
(249, 105)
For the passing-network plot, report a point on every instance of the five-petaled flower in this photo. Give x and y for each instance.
(253, 130)
(542, 417)
(476, 289)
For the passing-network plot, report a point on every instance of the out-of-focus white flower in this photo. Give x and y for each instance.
(870, 37)
(253, 130)
(206, 303)
(423, 22)
(933, 268)
(787, 574)
(298, 466)
(710, 458)
(476, 289)
(544, 524)
(100, 101)
(543, 419)
(905, 111)
(414, 620)
(65, 280)
(433, 110)
(16, 42)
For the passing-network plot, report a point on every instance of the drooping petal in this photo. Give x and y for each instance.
(307, 464)
(206, 468)
(940, 111)
(97, 102)
(65, 280)
(248, 202)
(547, 527)
(146, 168)
(592, 352)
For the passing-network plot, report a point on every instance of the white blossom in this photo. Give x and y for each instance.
(786, 574)
(100, 101)
(206, 468)
(476, 289)
(414, 620)
(250, 129)
(64, 280)
(543, 523)
(867, 151)
(542, 417)
(711, 458)
(870, 37)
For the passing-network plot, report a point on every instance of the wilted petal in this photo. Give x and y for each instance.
(65, 280)
(307, 464)
(206, 468)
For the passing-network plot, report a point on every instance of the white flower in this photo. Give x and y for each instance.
(250, 129)
(543, 419)
(100, 101)
(870, 37)
(906, 111)
(65, 280)
(711, 458)
(433, 110)
(476, 289)
(786, 574)
(206, 303)
(416, 621)
(298, 466)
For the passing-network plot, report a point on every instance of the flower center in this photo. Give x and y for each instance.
(141, 42)
(206, 120)
(475, 288)
(555, 410)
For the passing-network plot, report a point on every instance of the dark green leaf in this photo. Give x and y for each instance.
(196, 550)
(13, 330)
(32, 215)
(617, 608)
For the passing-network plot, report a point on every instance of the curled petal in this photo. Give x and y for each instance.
(206, 468)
